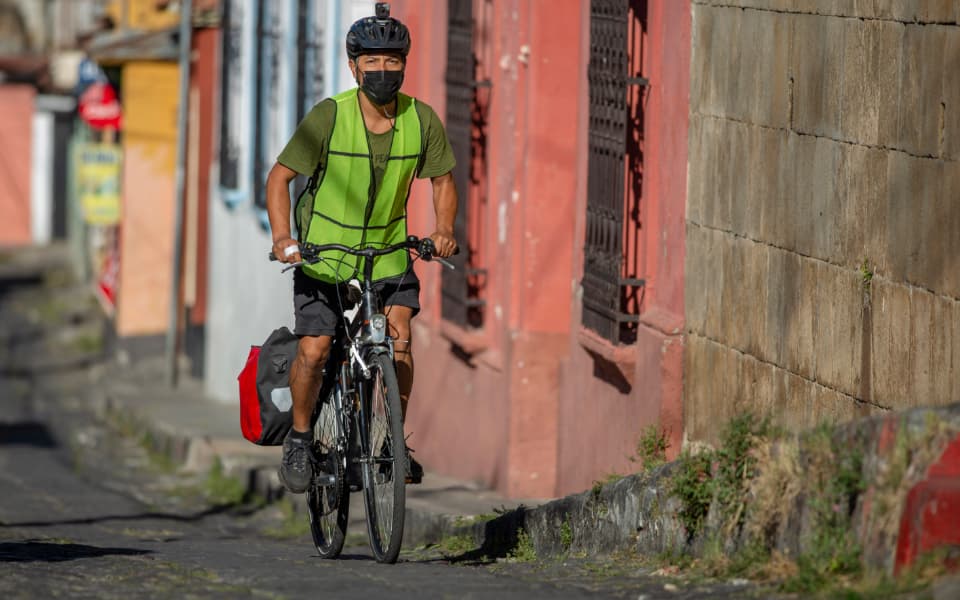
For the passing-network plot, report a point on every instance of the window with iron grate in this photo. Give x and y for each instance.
(466, 123)
(612, 287)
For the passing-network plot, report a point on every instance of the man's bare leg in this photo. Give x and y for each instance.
(398, 318)
(399, 322)
(306, 376)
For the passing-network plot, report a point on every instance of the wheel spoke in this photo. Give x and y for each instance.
(327, 503)
(384, 473)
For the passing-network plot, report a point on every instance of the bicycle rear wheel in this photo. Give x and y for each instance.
(328, 499)
(385, 464)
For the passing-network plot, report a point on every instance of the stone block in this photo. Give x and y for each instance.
(696, 295)
(714, 275)
(951, 93)
(697, 377)
(838, 328)
(763, 71)
(941, 342)
(724, 190)
(954, 375)
(798, 350)
(927, 267)
(936, 11)
(725, 56)
(797, 402)
(830, 406)
(864, 9)
(733, 307)
(778, 206)
(921, 86)
(779, 275)
(825, 210)
(863, 231)
(709, 153)
(922, 336)
(738, 138)
(900, 10)
(801, 216)
(950, 281)
(889, 74)
(753, 295)
(763, 196)
(817, 61)
(860, 94)
(698, 163)
(892, 351)
(940, 222)
(759, 376)
(701, 62)
(903, 216)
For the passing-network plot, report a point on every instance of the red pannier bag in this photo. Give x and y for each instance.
(265, 401)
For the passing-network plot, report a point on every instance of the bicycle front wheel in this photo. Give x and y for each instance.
(328, 499)
(384, 461)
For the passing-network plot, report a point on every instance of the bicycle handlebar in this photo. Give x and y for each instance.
(424, 247)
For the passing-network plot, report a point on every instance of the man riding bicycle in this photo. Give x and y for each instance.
(361, 150)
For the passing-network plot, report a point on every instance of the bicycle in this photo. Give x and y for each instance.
(358, 430)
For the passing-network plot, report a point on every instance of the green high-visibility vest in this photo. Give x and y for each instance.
(348, 206)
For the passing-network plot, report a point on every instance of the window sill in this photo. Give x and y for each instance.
(468, 341)
(622, 358)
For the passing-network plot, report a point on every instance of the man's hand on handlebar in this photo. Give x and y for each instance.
(286, 250)
(445, 244)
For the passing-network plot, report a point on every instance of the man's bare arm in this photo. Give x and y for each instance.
(445, 209)
(278, 210)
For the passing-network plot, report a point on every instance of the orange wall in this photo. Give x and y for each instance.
(141, 14)
(146, 232)
(16, 118)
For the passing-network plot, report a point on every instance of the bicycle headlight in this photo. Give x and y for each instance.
(378, 328)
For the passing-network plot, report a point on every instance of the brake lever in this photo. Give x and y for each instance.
(445, 263)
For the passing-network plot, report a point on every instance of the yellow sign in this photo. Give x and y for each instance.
(98, 183)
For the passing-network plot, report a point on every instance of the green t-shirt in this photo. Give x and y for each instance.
(309, 143)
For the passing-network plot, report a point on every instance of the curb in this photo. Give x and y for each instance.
(639, 514)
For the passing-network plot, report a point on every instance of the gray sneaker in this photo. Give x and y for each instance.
(296, 468)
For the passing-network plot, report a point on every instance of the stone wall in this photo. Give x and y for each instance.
(823, 216)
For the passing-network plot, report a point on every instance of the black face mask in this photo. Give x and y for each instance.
(381, 86)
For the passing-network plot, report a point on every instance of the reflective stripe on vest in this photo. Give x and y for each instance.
(347, 209)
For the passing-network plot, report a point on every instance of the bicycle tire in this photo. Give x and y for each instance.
(328, 505)
(385, 463)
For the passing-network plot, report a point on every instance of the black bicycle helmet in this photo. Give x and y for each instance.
(381, 33)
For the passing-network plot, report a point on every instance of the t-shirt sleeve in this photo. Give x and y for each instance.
(438, 159)
(306, 147)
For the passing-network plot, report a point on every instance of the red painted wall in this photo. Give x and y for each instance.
(16, 120)
(517, 404)
(608, 419)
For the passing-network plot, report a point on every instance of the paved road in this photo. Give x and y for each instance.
(71, 528)
(86, 512)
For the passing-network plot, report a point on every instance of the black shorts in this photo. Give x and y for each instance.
(317, 305)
